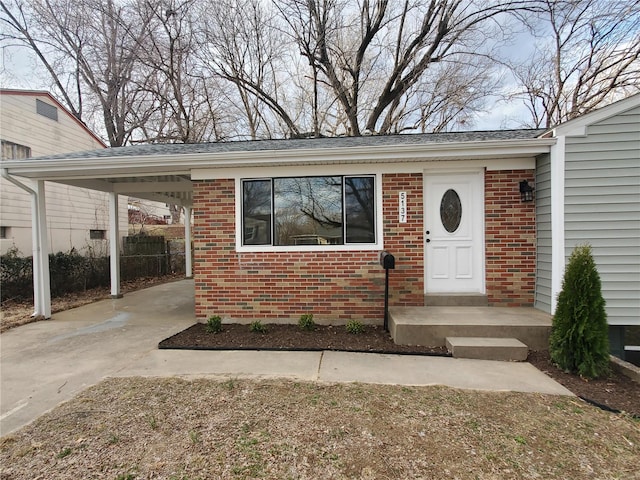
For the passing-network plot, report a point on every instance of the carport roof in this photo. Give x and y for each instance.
(163, 171)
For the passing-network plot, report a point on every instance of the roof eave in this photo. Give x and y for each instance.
(177, 164)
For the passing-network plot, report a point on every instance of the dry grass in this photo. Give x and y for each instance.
(178, 429)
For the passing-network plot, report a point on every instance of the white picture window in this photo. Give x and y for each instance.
(319, 210)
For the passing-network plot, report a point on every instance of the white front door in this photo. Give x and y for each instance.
(454, 232)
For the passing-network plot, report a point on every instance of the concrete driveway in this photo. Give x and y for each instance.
(45, 363)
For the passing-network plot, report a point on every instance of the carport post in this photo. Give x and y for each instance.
(187, 242)
(42, 286)
(114, 245)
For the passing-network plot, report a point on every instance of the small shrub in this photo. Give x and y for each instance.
(214, 324)
(65, 452)
(306, 322)
(126, 476)
(258, 327)
(579, 341)
(194, 436)
(152, 421)
(354, 326)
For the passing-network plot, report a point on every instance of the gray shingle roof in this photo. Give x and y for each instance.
(158, 150)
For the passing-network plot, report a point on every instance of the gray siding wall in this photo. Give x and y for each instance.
(602, 208)
(543, 232)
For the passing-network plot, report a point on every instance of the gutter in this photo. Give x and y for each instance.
(5, 174)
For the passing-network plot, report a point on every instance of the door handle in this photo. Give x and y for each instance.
(428, 239)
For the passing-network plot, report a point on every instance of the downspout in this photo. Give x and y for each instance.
(38, 294)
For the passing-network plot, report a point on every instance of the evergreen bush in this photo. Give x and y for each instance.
(579, 341)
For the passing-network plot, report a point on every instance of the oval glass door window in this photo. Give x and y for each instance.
(450, 210)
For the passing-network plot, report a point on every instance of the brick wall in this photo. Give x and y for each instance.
(333, 285)
(337, 286)
(510, 239)
(404, 240)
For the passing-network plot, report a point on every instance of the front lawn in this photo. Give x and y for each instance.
(179, 429)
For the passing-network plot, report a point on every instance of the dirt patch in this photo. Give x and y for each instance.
(138, 428)
(616, 392)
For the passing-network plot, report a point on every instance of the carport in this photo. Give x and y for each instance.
(133, 171)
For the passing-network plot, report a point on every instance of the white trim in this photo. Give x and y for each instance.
(114, 245)
(350, 247)
(187, 243)
(44, 280)
(557, 160)
(577, 127)
(152, 187)
(363, 168)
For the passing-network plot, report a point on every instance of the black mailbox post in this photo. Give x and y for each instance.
(388, 262)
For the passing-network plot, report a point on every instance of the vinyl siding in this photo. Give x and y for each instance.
(71, 211)
(543, 228)
(602, 208)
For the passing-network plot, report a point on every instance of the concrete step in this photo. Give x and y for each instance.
(455, 300)
(487, 348)
(430, 326)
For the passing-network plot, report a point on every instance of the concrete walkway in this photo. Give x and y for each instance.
(45, 363)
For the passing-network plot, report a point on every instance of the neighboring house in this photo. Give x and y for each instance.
(588, 191)
(143, 213)
(286, 227)
(33, 124)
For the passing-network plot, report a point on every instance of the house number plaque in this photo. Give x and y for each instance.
(402, 207)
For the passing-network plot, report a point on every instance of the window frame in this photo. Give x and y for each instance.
(46, 110)
(378, 217)
(97, 234)
(15, 148)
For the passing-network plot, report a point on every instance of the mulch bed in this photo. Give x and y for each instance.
(616, 392)
(291, 337)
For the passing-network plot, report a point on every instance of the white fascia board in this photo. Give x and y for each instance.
(360, 168)
(158, 197)
(130, 188)
(152, 187)
(181, 164)
(577, 127)
(92, 184)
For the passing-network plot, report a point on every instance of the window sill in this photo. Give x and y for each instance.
(309, 248)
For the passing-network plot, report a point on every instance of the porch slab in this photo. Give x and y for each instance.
(430, 326)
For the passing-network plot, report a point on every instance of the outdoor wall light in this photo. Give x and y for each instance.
(526, 191)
